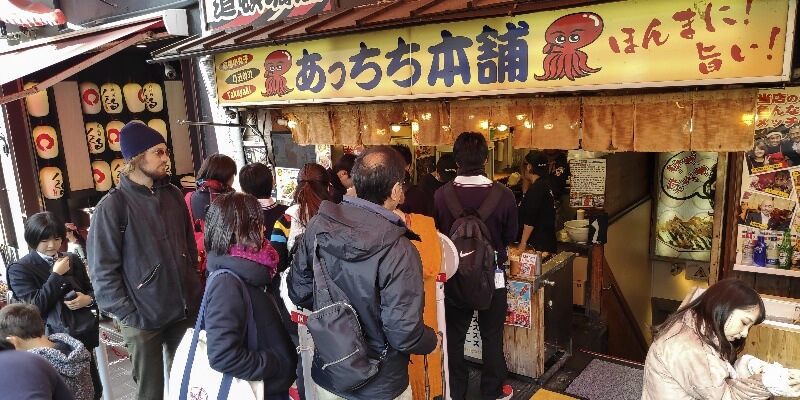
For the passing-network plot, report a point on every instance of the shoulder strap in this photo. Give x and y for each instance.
(451, 199)
(490, 202)
(123, 210)
(252, 337)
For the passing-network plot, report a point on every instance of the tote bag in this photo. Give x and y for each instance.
(192, 377)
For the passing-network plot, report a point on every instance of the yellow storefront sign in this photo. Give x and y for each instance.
(634, 43)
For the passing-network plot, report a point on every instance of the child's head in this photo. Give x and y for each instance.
(19, 323)
(256, 179)
(44, 232)
(234, 218)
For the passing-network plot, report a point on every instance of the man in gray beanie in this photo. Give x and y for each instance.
(143, 257)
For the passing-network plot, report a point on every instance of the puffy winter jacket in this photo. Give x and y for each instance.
(370, 257)
(73, 367)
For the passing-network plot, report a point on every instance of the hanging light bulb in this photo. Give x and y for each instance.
(415, 126)
(484, 124)
(502, 127)
(395, 128)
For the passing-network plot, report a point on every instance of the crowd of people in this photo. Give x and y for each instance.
(364, 229)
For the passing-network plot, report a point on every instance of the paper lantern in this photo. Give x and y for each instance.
(116, 166)
(95, 137)
(51, 180)
(101, 173)
(45, 141)
(37, 104)
(90, 98)
(153, 97)
(112, 134)
(138, 120)
(160, 126)
(112, 98)
(133, 97)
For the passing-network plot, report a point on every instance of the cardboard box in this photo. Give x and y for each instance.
(578, 292)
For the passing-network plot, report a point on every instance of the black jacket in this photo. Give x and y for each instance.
(370, 257)
(147, 275)
(226, 322)
(33, 281)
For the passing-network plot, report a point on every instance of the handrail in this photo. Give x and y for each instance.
(628, 209)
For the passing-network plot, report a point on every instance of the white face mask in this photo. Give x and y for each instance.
(738, 324)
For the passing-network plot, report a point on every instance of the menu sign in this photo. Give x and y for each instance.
(286, 182)
(588, 182)
(685, 205)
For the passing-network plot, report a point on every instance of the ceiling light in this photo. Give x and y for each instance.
(395, 128)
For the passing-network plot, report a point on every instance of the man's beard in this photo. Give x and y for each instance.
(154, 174)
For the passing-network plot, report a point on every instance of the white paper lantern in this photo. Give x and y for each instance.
(51, 180)
(112, 134)
(95, 137)
(112, 98)
(133, 97)
(153, 97)
(90, 98)
(159, 125)
(101, 173)
(116, 166)
(138, 120)
(45, 141)
(37, 104)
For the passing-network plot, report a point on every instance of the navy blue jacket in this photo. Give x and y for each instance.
(226, 322)
(29, 376)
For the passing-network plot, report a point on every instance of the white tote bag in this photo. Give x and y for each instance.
(192, 377)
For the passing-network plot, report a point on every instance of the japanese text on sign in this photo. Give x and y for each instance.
(614, 44)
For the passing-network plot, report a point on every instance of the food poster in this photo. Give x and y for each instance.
(285, 183)
(519, 304)
(771, 169)
(324, 155)
(588, 183)
(684, 213)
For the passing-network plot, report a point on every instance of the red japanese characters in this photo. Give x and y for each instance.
(565, 37)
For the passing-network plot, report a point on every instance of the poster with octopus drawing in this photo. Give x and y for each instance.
(607, 45)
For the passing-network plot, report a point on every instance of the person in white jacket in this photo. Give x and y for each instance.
(694, 354)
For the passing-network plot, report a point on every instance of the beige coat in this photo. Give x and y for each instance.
(680, 366)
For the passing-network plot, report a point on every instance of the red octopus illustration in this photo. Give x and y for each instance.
(565, 37)
(275, 65)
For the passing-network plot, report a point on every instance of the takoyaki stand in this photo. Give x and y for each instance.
(654, 107)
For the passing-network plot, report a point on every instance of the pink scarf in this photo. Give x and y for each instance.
(267, 256)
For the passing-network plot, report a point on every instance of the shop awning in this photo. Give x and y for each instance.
(363, 19)
(112, 38)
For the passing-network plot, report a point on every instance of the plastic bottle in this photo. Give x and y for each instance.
(760, 252)
(772, 252)
(785, 251)
(747, 249)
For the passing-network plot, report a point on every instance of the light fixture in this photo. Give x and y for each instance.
(395, 128)
(502, 127)
(283, 122)
(292, 124)
(748, 119)
(414, 126)
(141, 46)
(484, 124)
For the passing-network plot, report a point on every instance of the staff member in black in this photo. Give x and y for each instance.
(537, 209)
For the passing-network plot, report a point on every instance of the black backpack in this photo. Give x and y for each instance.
(472, 286)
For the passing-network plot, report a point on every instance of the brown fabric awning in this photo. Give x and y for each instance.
(703, 121)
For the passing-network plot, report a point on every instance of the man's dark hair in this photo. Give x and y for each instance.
(375, 173)
(256, 179)
(21, 320)
(470, 151)
(43, 226)
(404, 151)
(218, 167)
(345, 163)
(234, 218)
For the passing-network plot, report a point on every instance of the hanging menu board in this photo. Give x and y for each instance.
(588, 182)
(685, 203)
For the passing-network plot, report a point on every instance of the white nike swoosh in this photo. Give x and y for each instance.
(462, 254)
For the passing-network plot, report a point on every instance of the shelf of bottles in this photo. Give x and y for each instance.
(765, 270)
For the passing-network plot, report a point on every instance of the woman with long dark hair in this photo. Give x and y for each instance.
(235, 241)
(695, 351)
(313, 187)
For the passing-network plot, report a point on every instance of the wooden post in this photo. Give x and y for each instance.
(596, 260)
